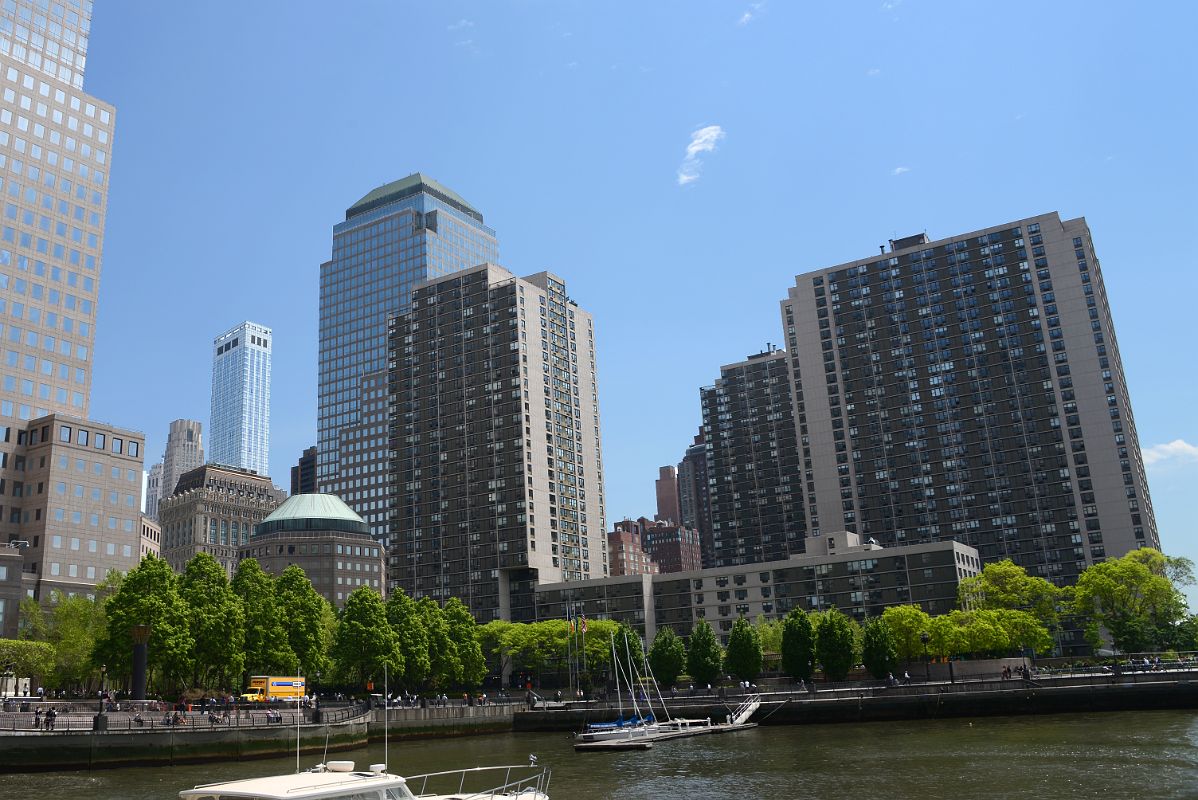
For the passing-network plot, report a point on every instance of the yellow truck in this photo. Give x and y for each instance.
(266, 688)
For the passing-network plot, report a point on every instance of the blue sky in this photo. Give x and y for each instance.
(677, 162)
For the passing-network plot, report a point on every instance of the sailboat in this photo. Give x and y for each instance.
(622, 729)
(642, 729)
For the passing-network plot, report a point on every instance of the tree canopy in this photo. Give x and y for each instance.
(878, 652)
(365, 644)
(1134, 599)
(667, 656)
(798, 645)
(835, 644)
(703, 654)
(267, 647)
(743, 657)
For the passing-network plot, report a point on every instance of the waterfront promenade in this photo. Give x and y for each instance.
(79, 743)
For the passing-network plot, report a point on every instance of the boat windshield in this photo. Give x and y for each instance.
(373, 794)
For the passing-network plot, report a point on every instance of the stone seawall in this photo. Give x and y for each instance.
(915, 702)
(31, 751)
(423, 723)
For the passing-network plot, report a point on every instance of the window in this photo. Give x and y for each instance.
(100, 441)
(64, 433)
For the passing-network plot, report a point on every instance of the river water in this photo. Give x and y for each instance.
(1117, 755)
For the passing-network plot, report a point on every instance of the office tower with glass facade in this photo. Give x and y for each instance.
(497, 469)
(970, 388)
(755, 504)
(55, 148)
(397, 236)
(239, 433)
(184, 452)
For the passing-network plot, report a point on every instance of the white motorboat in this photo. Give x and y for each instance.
(338, 780)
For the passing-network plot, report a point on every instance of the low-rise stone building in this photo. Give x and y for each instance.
(837, 571)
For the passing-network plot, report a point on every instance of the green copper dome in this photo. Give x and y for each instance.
(312, 512)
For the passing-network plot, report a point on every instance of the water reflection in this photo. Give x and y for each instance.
(1087, 755)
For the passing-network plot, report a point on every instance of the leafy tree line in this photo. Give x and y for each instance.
(208, 632)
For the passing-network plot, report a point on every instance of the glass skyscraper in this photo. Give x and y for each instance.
(54, 147)
(239, 434)
(395, 237)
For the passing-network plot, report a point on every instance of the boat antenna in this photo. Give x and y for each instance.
(299, 718)
(656, 685)
(615, 664)
(631, 676)
(386, 720)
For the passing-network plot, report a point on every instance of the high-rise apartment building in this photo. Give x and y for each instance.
(755, 504)
(666, 487)
(694, 502)
(397, 236)
(303, 474)
(239, 433)
(55, 147)
(184, 452)
(970, 388)
(498, 472)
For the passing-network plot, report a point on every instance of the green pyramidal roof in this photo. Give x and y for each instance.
(313, 506)
(406, 187)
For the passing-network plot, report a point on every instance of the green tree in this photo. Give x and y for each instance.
(835, 644)
(878, 653)
(946, 638)
(76, 624)
(494, 639)
(463, 631)
(1024, 630)
(307, 614)
(1133, 598)
(743, 658)
(217, 623)
(26, 658)
(769, 633)
(667, 656)
(34, 624)
(445, 665)
(906, 623)
(1006, 585)
(412, 637)
(704, 656)
(365, 644)
(798, 645)
(635, 649)
(148, 595)
(984, 633)
(267, 648)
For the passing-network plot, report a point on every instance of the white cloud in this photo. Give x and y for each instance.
(703, 140)
(751, 13)
(1176, 450)
(872, 72)
(899, 170)
(891, 5)
(461, 24)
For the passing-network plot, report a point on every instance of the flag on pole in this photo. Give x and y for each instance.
(584, 624)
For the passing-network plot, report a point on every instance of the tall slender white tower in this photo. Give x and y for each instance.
(239, 433)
